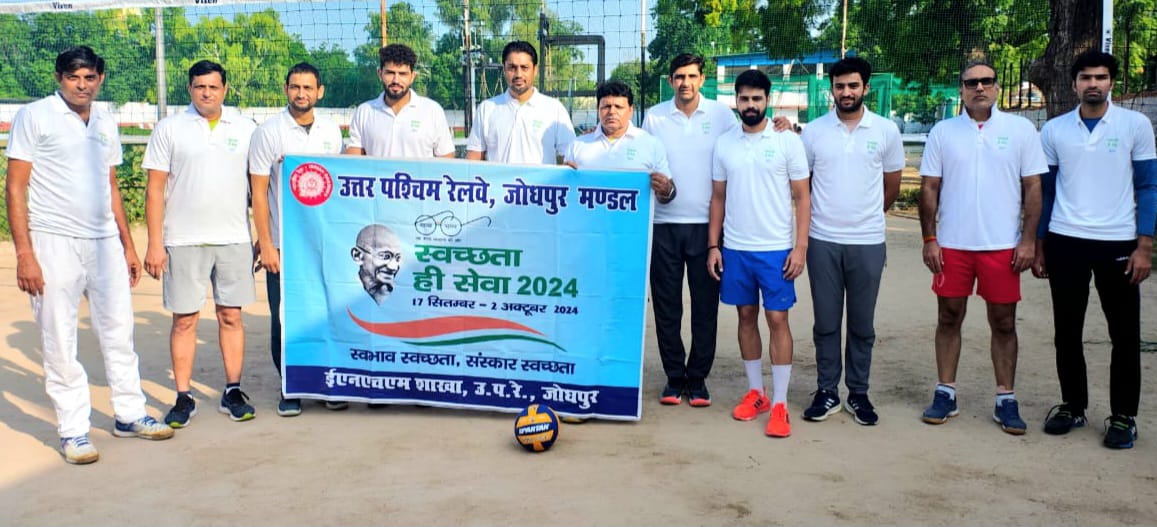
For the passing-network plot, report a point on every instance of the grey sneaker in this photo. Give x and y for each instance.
(144, 428)
(78, 450)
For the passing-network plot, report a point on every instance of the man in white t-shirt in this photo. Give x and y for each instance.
(196, 207)
(758, 175)
(521, 125)
(688, 126)
(856, 158)
(296, 130)
(979, 206)
(398, 122)
(72, 239)
(1100, 207)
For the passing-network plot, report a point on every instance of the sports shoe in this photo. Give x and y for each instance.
(943, 407)
(1062, 418)
(144, 428)
(753, 403)
(78, 450)
(233, 403)
(861, 409)
(698, 396)
(288, 407)
(336, 406)
(671, 396)
(1120, 432)
(182, 412)
(779, 425)
(826, 403)
(1008, 415)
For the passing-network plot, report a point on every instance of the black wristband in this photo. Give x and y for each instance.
(709, 247)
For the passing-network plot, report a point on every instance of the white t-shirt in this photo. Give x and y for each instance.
(980, 168)
(279, 136)
(1094, 198)
(68, 191)
(533, 132)
(690, 142)
(420, 130)
(634, 150)
(207, 194)
(758, 169)
(848, 176)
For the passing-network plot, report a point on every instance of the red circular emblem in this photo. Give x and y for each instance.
(311, 184)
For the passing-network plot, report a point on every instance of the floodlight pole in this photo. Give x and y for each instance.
(844, 32)
(1107, 26)
(162, 85)
(385, 34)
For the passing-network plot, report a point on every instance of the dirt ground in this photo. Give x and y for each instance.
(678, 466)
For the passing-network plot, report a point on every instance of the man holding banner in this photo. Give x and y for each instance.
(299, 130)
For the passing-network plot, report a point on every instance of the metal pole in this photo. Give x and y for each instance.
(162, 85)
(642, 59)
(385, 11)
(844, 33)
(469, 45)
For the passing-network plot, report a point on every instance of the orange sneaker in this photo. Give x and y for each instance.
(780, 424)
(753, 403)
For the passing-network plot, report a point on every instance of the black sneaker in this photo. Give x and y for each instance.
(233, 403)
(671, 395)
(861, 409)
(697, 395)
(826, 403)
(184, 410)
(1120, 432)
(1062, 418)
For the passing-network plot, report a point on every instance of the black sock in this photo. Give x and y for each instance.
(232, 386)
(184, 394)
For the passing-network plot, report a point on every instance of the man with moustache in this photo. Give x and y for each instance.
(688, 126)
(296, 130)
(197, 210)
(856, 158)
(399, 123)
(979, 206)
(758, 176)
(521, 125)
(378, 253)
(1100, 206)
(72, 239)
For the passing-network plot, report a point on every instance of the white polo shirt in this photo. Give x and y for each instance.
(980, 168)
(533, 132)
(1094, 198)
(68, 191)
(758, 169)
(207, 194)
(848, 176)
(634, 150)
(420, 130)
(279, 136)
(690, 142)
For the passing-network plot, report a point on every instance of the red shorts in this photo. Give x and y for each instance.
(992, 271)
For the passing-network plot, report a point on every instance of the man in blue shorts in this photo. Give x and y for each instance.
(758, 175)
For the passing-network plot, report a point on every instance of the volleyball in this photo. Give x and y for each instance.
(536, 428)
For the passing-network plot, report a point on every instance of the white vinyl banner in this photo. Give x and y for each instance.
(17, 6)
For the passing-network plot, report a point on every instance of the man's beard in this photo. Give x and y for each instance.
(752, 119)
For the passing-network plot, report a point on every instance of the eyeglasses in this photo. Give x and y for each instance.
(980, 81)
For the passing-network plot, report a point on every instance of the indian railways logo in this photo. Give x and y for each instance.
(311, 184)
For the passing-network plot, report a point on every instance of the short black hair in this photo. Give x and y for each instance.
(79, 57)
(974, 63)
(753, 79)
(205, 67)
(686, 59)
(397, 54)
(520, 46)
(1095, 58)
(303, 67)
(851, 65)
(614, 89)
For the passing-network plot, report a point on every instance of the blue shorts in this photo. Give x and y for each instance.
(747, 273)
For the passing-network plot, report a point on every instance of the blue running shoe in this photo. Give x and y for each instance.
(233, 403)
(1008, 415)
(1120, 432)
(289, 407)
(943, 407)
(184, 410)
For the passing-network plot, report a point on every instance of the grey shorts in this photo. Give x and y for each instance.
(229, 268)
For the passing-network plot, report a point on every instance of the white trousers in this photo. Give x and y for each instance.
(96, 269)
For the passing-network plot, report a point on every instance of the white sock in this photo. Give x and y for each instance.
(1002, 397)
(780, 377)
(754, 369)
(950, 390)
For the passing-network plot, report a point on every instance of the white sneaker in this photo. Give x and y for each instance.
(78, 450)
(144, 428)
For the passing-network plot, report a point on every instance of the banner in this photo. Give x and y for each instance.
(21, 6)
(465, 284)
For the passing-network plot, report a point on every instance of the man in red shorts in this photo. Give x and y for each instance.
(980, 171)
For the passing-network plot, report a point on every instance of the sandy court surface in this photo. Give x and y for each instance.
(678, 466)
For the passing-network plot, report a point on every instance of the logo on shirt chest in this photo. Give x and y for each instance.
(706, 126)
(102, 138)
(537, 124)
(1112, 143)
(232, 143)
(631, 153)
(872, 146)
(415, 125)
(768, 154)
(1002, 142)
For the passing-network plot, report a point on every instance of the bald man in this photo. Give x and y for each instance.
(379, 252)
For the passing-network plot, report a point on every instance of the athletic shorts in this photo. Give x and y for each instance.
(746, 274)
(990, 271)
(192, 268)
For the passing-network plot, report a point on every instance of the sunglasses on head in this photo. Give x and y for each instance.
(981, 81)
